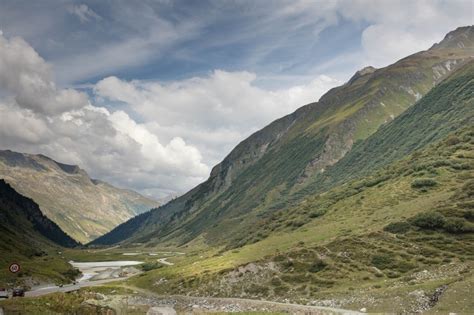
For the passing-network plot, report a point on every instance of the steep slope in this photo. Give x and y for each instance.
(82, 207)
(397, 238)
(274, 167)
(398, 241)
(28, 237)
(444, 109)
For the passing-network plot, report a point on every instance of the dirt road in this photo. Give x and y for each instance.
(205, 304)
(69, 287)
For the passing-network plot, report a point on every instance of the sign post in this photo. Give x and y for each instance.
(14, 268)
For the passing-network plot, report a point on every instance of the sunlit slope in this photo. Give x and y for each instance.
(386, 242)
(83, 207)
(278, 166)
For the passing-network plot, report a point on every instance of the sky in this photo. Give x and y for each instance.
(150, 95)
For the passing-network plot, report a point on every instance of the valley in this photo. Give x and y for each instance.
(361, 202)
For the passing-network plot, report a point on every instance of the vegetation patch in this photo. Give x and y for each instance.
(423, 183)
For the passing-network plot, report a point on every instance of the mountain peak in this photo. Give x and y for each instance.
(461, 37)
(362, 72)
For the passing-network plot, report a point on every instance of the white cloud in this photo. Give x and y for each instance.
(213, 113)
(168, 135)
(83, 12)
(402, 27)
(183, 128)
(26, 76)
(38, 117)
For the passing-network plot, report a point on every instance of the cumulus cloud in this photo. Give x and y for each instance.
(38, 117)
(26, 76)
(164, 140)
(213, 112)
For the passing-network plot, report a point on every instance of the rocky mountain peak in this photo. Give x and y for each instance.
(362, 72)
(461, 37)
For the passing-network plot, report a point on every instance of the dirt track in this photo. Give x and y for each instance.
(201, 304)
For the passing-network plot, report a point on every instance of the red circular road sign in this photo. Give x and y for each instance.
(14, 268)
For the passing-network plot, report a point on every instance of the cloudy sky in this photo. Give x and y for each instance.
(149, 95)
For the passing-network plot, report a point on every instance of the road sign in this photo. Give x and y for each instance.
(14, 268)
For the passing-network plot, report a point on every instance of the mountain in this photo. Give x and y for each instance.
(83, 207)
(278, 166)
(28, 237)
(388, 228)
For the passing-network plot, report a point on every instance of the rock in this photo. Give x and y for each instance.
(363, 310)
(99, 296)
(161, 310)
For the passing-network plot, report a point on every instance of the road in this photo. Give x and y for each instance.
(69, 287)
(218, 304)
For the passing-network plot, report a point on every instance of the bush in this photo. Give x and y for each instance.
(469, 215)
(317, 266)
(397, 227)
(151, 266)
(457, 225)
(276, 282)
(423, 182)
(382, 261)
(72, 273)
(316, 213)
(429, 220)
(452, 140)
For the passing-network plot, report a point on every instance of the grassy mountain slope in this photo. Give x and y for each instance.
(399, 239)
(443, 110)
(29, 238)
(278, 165)
(82, 207)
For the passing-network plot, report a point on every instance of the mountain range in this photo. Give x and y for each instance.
(388, 227)
(84, 208)
(310, 151)
(362, 200)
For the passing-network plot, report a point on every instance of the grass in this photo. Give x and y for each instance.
(55, 303)
(365, 239)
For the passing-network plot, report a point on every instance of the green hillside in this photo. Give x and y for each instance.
(399, 239)
(281, 164)
(30, 239)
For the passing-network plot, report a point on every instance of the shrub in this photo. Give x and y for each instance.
(72, 273)
(429, 220)
(457, 225)
(469, 215)
(317, 266)
(276, 282)
(404, 266)
(397, 227)
(151, 266)
(423, 182)
(382, 261)
(452, 140)
(316, 213)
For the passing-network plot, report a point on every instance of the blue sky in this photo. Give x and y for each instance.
(150, 95)
(168, 40)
